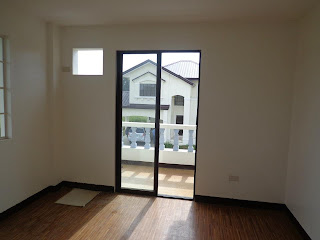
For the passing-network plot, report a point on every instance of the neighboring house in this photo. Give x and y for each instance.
(179, 93)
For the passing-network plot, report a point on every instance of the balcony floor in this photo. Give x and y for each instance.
(172, 181)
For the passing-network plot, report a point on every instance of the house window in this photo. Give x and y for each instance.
(3, 89)
(126, 84)
(87, 61)
(148, 90)
(179, 101)
(179, 120)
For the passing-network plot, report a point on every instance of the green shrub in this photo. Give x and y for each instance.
(186, 147)
(170, 145)
(138, 119)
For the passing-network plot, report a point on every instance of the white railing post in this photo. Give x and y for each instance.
(134, 137)
(163, 126)
(161, 139)
(147, 139)
(190, 143)
(176, 140)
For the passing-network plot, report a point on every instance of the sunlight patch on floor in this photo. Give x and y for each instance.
(172, 181)
(190, 180)
(143, 175)
(175, 178)
(162, 177)
(127, 173)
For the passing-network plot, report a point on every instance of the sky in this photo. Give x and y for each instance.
(130, 60)
(89, 62)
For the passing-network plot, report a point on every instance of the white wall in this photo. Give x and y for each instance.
(55, 97)
(25, 160)
(303, 189)
(245, 103)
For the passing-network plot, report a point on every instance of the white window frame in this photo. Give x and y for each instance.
(4, 88)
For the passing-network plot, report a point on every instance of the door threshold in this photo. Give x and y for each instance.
(176, 197)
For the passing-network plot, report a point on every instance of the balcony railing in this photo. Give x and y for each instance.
(163, 126)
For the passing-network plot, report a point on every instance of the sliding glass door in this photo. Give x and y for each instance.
(178, 123)
(157, 102)
(138, 83)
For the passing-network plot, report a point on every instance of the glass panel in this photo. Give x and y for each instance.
(1, 101)
(1, 75)
(138, 121)
(179, 101)
(87, 62)
(1, 49)
(2, 126)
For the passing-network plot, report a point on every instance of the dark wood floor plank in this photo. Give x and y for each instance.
(123, 216)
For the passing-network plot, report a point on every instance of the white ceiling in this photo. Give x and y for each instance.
(93, 12)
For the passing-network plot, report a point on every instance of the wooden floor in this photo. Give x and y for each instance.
(172, 181)
(121, 216)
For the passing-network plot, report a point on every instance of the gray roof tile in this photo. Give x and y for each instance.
(165, 69)
(125, 98)
(184, 68)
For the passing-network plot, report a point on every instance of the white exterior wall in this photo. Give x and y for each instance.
(194, 103)
(135, 85)
(182, 157)
(127, 112)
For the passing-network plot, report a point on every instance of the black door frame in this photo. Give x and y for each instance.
(119, 62)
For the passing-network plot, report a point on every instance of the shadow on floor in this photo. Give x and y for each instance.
(138, 219)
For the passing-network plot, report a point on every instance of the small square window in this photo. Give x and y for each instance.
(147, 90)
(179, 100)
(87, 61)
